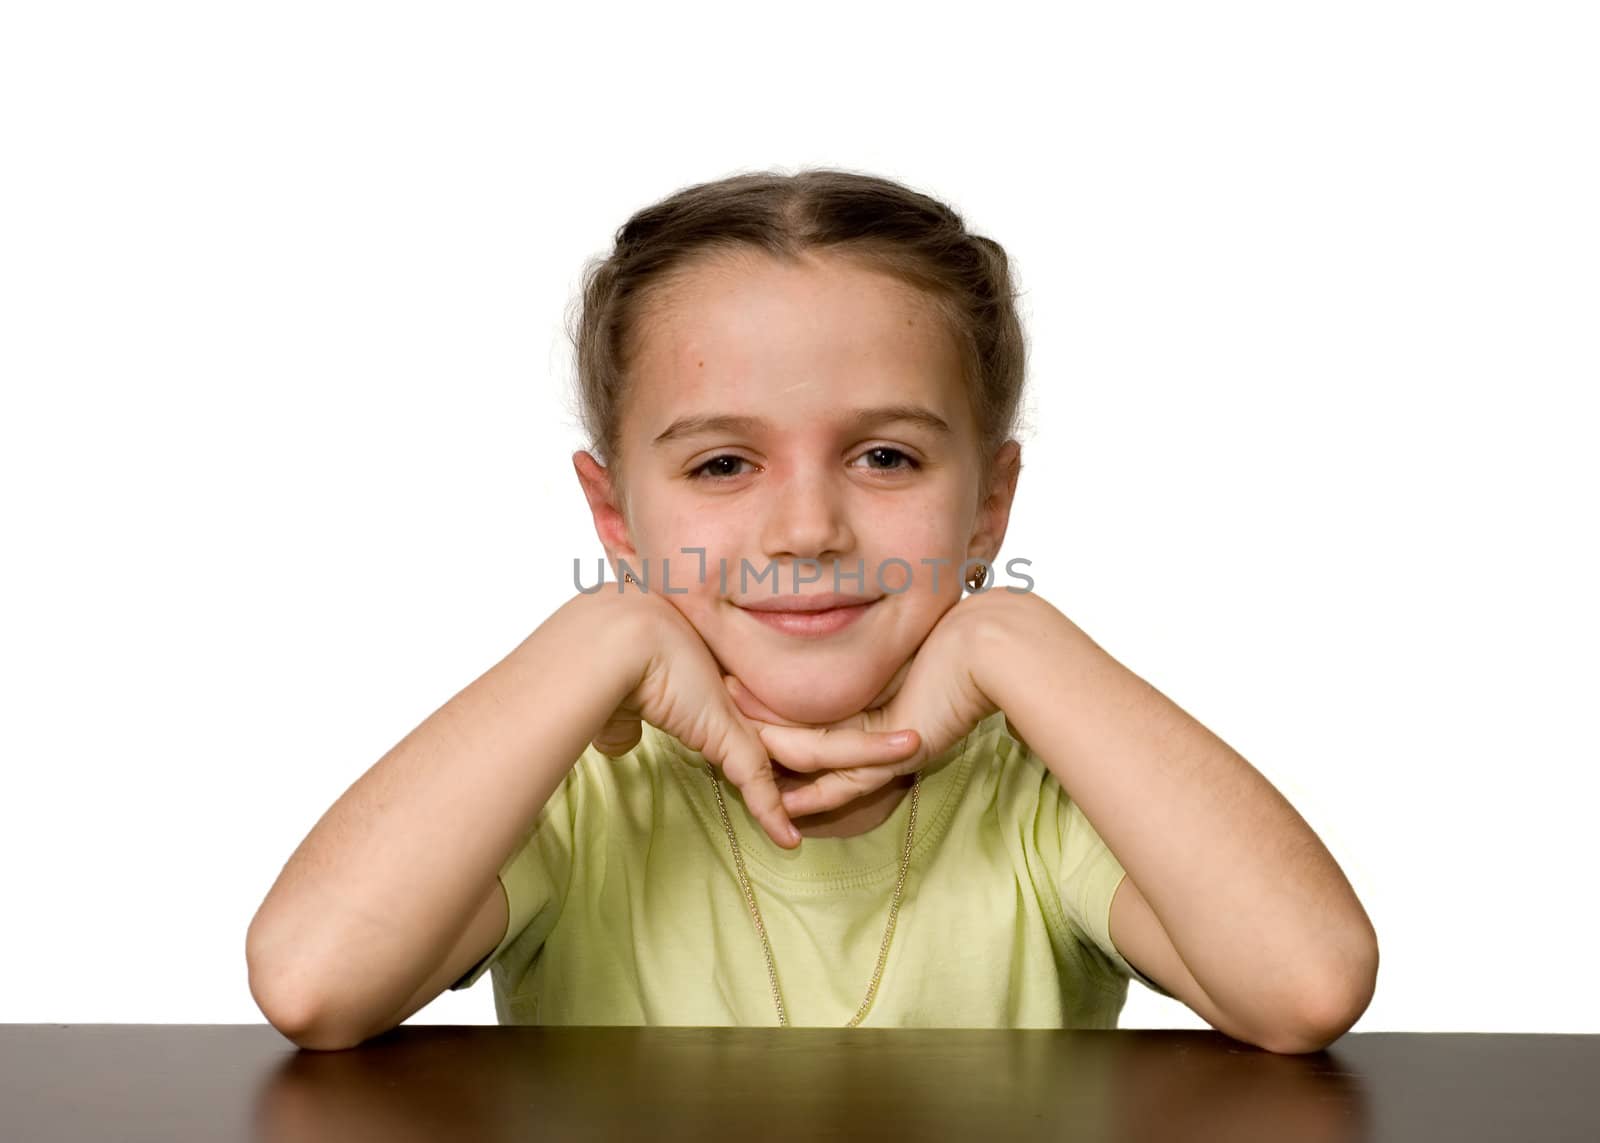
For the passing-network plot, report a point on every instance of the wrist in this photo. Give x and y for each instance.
(604, 631)
(1005, 631)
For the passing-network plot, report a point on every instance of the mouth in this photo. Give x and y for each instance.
(810, 624)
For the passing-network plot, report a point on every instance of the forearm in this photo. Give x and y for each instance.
(374, 897)
(1253, 903)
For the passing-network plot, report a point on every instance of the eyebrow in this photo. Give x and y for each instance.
(858, 419)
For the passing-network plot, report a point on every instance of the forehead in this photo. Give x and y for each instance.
(791, 341)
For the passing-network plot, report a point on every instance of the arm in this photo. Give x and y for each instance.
(1231, 901)
(376, 899)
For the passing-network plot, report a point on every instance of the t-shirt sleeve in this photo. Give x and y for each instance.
(535, 879)
(1089, 876)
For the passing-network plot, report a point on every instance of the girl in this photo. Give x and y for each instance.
(804, 389)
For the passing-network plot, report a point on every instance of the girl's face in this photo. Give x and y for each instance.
(779, 414)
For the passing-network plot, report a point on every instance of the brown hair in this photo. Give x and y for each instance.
(882, 224)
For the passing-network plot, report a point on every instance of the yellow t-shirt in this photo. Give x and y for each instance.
(626, 907)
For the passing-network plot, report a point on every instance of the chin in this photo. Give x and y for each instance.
(816, 702)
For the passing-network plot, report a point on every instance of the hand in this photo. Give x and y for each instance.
(680, 690)
(935, 693)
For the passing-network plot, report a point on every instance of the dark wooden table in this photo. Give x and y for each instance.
(443, 1082)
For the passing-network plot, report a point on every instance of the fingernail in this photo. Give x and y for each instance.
(794, 835)
(900, 737)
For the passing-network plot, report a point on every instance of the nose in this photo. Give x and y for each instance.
(807, 517)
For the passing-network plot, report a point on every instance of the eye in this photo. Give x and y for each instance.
(700, 473)
(724, 467)
(886, 451)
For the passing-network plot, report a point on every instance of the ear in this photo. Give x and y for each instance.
(605, 505)
(995, 512)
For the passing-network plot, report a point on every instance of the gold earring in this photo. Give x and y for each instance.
(627, 577)
(981, 573)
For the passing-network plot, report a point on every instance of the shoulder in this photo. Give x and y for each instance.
(597, 785)
(655, 751)
(1005, 767)
(605, 790)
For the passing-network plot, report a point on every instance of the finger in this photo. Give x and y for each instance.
(835, 788)
(618, 736)
(808, 750)
(787, 779)
(746, 765)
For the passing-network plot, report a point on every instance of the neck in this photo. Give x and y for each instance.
(855, 818)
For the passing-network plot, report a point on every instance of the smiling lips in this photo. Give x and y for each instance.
(786, 615)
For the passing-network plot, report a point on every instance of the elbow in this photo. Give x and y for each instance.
(297, 1015)
(1331, 1007)
(307, 1026)
(300, 1021)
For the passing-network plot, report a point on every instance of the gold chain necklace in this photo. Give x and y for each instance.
(755, 913)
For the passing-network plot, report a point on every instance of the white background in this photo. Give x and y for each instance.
(1312, 294)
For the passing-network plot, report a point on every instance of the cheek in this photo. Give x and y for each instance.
(664, 527)
(925, 524)
(710, 565)
(914, 537)
(667, 525)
